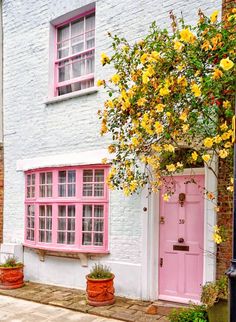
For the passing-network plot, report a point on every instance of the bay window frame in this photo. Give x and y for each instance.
(78, 201)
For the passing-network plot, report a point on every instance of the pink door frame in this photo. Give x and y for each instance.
(185, 288)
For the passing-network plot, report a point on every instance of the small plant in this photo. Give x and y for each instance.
(100, 271)
(11, 261)
(196, 313)
(212, 292)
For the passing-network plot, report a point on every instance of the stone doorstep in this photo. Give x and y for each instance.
(164, 307)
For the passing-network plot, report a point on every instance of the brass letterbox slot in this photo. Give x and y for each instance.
(182, 248)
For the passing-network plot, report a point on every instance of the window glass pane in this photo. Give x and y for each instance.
(28, 192)
(99, 176)
(87, 239)
(49, 191)
(90, 65)
(78, 66)
(49, 223)
(71, 224)
(33, 179)
(62, 176)
(77, 27)
(49, 211)
(71, 211)
(42, 191)
(63, 33)
(98, 225)
(62, 211)
(41, 211)
(98, 189)
(71, 176)
(61, 223)
(62, 190)
(32, 192)
(64, 72)
(87, 175)
(42, 178)
(48, 236)
(61, 237)
(98, 211)
(87, 224)
(90, 22)
(70, 238)
(62, 53)
(87, 210)
(41, 235)
(41, 223)
(87, 190)
(49, 177)
(71, 190)
(28, 179)
(98, 239)
(77, 44)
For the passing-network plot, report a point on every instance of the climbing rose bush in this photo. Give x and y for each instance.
(170, 101)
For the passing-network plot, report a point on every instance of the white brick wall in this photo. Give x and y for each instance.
(33, 129)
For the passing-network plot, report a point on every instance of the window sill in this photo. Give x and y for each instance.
(65, 253)
(65, 97)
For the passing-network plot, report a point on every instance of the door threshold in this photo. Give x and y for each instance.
(178, 300)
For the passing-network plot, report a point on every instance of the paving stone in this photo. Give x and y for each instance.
(124, 316)
(102, 311)
(149, 318)
(138, 307)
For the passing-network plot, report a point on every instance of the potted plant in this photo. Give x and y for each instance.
(100, 289)
(215, 297)
(11, 274)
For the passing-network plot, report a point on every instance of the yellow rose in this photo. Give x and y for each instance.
(223, 154)
(141, 101)
(217, 139)
(178, 46)
(169, 148)
(164, 91)
(160, 107)
(217, 73)
(158, 127)
(196, 90)
(100, 82)
(185, 127)
(183, 116)
(104, 59)
(111, 148)
(145, 78)
(208, 142)
(171, 167)
(226, 63)
(115, 79)
(144, 58)
(194, 156)
(135, 141)
(224, 127)
(168, 114)
(155, 55)
(206, 157)
(226, 104)
(213, 16)
(187, 36)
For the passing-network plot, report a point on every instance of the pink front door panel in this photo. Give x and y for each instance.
(181, 271)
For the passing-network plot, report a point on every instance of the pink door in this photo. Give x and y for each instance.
(181, 241)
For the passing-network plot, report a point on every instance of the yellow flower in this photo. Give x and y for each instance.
(226, 63)
(145, 78)
(178, 46)
(104, 161)
(141, 101)
(194, 156)
(179, 165)
(109, 103)
(182, 81)
(115, 79)
(155, 55)
(171, 167)
(111, 148)
(217, 139)
(217, 238)
(223, 154)
(185, 127)
(183, 116)
(168, 114)
(213, 16)
(217, 73)
(210, 195)
(166, 197)
(224, 127)
(206, 157)
(169, 148)
(104, 59)
(226, 104)
(208, 142)
(228, 145)
(206, 45)
(160, 107)
(164, 91)
(100, 82)
(230, 188)
(135, 141)
(187, 36)
(144, 58)
(158, 127)
(196, 90)
(226, 135)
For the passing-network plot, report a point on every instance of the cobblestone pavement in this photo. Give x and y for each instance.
(17, 310)
(124, 309)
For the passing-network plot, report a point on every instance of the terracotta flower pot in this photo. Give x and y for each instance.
(11, 277)
(100, 291)
(218, 312)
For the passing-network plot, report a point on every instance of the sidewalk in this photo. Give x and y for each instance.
(124, 309)
(16, 310)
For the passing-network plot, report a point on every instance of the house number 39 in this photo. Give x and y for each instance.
(181, 221)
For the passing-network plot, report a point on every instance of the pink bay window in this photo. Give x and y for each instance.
(68, 210)
(74, 54)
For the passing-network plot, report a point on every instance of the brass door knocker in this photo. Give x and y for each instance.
(182, 198)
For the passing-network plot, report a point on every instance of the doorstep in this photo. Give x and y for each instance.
(124, 309)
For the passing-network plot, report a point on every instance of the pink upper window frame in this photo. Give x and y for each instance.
(78, 200)
(86, 77)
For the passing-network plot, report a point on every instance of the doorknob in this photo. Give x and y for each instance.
(181, 240)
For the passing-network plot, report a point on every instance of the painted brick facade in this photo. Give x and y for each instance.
(34, 129)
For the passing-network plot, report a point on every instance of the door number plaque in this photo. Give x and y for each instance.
(182, 248)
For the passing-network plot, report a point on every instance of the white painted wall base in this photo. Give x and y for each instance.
(69, 273)
(10, 249)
